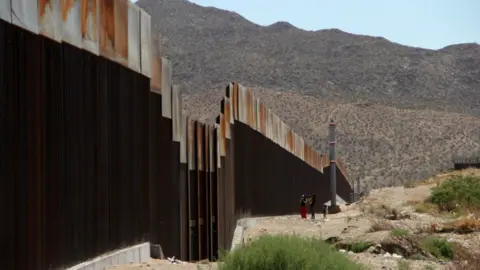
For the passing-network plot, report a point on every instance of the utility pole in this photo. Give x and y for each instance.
(358, 189)
(333, 165)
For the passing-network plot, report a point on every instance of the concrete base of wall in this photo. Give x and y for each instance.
(242, 225)
(156, 251)
(135, 254)
(237, 240)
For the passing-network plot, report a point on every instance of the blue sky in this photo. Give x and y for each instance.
(429, 24)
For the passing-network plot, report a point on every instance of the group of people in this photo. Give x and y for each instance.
(309, 200)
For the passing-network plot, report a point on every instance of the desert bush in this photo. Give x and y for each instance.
(284, 252)
(400, 232)
(361, 246)
(438, 247)
(380, 225)
(425, 208)
(458, 190)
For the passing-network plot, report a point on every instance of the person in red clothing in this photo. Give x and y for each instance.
(303, 207)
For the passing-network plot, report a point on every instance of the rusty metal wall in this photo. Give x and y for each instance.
(263, 165)
(206, 191)
(192, 191)
(121, 31)
(49, 20)
(212, 191)
(74, 172)
(107, 135)
(166, 227)
(107, 29)
(221, 236)
(201, 187)
(183, 185)
(269, 173)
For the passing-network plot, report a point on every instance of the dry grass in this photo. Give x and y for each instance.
(465, 225)
(426, 208)
(380, 225)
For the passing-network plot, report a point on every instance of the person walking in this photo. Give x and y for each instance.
(324, 210)
(312, 200)
(303, 209)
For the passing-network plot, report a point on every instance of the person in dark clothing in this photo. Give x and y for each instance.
(312, 200)
(303, 209)
(324, 210)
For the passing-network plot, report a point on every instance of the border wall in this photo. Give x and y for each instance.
(74, 122)
(96, 153)
(465, 163)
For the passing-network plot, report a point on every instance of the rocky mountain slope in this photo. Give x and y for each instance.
(381, 93)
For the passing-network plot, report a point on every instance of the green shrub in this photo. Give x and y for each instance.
(400, 232)
(461, 190)
(359, 247)
(438, 247)
(284, 253)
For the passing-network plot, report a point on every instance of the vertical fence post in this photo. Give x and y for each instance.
(358, 189)
(333, 169)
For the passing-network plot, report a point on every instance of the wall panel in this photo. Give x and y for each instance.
(90, 25)
(49, 19)
(71, 22)
(134, 42)
(25, 14)
(6, 10)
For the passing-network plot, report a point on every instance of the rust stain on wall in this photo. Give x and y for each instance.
(90, 25)
(71, 22)
(262, 112)
(248, 106)
(231, 116)
(156, 62)
(211, 145)
(200, 146)
(219, 135)
(235, 100)
(290, 141)
(191, 144)
(121, 31)
(222, 139)
(107, 28)
(49, 19)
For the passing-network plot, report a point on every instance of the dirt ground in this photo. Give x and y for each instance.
(354, 224)
(165, 265)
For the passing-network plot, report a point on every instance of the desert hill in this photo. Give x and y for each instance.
(403, 111)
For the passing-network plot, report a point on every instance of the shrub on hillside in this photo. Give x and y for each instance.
(457, 190)
(287, 252)
(438, 247)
